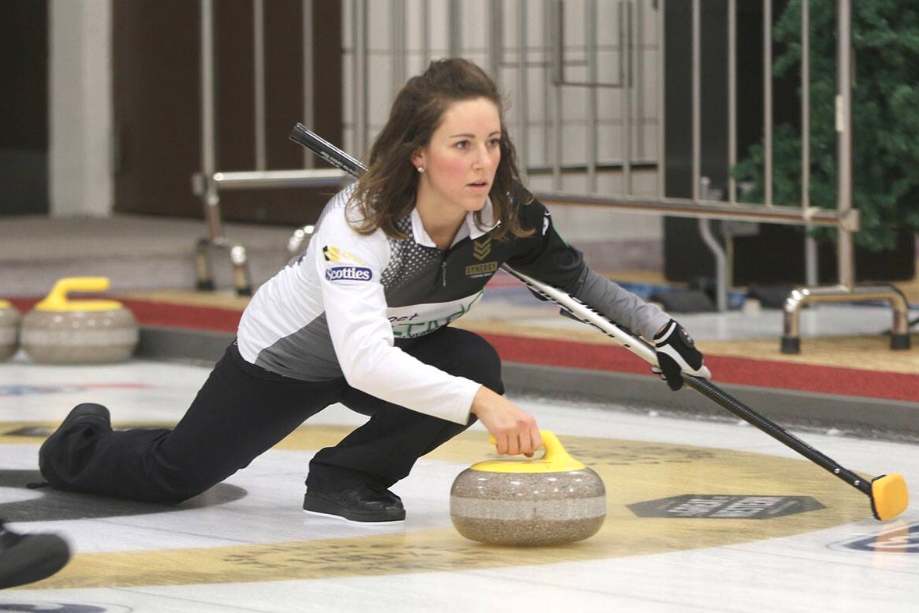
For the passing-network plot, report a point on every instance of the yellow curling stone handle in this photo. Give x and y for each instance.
(57, 300)
(555, 460)
(5, 304)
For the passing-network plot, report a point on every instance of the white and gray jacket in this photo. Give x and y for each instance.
(341, 308)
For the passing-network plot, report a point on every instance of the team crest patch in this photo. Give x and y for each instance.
(348, 273)
(480, 250)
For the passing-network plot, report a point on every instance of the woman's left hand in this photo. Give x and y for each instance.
(676, 354)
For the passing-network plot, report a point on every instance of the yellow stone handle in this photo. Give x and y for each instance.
(5, 304)
(556, 458)
(554, 451)
(57, 299)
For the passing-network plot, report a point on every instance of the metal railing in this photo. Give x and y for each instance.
(845, 291)
(210, 182)
(542, 61)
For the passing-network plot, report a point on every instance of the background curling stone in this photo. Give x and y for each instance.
(548, 501)
(63, 331)
(9, 330)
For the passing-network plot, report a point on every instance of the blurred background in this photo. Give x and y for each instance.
(633, 118)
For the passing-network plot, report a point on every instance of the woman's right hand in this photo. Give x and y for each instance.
(516, 431)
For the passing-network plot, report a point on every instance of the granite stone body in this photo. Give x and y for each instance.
(80, 337)
(9, 332)
(528, 509)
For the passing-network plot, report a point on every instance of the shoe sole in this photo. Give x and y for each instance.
(356, 522)
(92, 411)
(97, 412)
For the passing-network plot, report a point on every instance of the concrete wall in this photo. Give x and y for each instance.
(80, 110)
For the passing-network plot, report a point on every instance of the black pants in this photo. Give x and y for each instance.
(243, 410)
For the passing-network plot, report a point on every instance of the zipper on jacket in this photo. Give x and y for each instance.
(443, 261)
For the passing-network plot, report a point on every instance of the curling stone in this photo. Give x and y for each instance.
(548, 501)
(9, 330)
(64, 331)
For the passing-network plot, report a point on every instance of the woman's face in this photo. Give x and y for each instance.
(461, 160)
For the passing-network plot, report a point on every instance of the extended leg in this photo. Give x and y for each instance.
(240, 412)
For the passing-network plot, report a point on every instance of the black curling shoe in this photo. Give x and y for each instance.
(358, 504)
(26, 558)
(86, 414)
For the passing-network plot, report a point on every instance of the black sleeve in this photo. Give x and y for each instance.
(544, 255)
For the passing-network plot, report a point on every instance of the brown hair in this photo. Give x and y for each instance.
(387, 191)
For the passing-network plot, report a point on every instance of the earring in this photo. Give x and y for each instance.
(420, 169)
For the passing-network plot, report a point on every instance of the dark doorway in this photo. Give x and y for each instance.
(156, 76)
(24, 107)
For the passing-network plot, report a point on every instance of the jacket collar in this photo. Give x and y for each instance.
(469, 228)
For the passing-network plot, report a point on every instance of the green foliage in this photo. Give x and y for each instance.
(885, 117)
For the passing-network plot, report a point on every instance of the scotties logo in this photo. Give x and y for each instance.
(348, 273)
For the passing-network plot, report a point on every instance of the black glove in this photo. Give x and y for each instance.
(677, 353)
